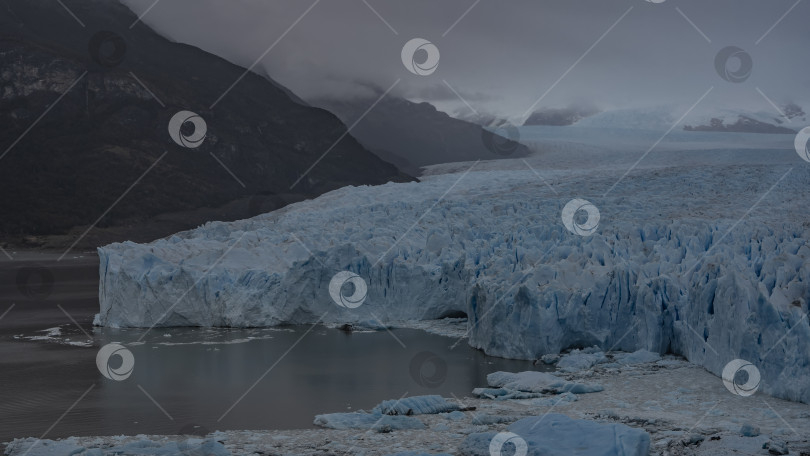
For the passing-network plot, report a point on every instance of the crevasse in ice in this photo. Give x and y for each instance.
(683, 261)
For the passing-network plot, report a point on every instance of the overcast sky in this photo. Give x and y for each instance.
(503, 55)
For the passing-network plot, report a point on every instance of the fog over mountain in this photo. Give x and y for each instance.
(503, 56)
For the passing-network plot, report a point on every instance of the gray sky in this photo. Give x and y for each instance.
(503, 55)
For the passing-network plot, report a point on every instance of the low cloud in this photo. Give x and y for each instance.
(502, 57)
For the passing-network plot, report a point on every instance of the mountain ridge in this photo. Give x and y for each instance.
(413, 135)
(81, 125)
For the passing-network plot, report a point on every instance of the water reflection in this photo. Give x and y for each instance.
(236, 379)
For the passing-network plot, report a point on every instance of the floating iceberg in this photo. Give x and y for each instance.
(579, 360)
(416, 405)
(680, 262)
(390, 415)
(539, 382)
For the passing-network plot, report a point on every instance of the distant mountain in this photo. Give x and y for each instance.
(645, 118)
(744, 124)
(79, 125)
(412, 135)
(793, 111)
(560, 117)
(486, 120)
(661, 118)
(750, 122)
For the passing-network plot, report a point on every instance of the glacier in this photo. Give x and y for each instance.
(707, 260)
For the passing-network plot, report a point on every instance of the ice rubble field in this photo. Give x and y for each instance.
(708, 261)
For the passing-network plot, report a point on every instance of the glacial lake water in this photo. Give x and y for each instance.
(192, 379)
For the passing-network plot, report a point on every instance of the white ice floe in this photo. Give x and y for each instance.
(50, 334)
(709, 262)
(55, 335)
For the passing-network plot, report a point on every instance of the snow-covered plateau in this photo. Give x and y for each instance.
(708, 261)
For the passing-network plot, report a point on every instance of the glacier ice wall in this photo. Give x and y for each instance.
(683, 261)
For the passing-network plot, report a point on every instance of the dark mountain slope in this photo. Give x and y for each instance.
(108, 130)
(744, 124)
(412, 135)
(560, 117)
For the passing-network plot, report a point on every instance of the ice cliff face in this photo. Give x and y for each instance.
(682, 261)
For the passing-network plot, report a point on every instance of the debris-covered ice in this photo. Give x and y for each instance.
(141, 447)
(416, 405)
(367, 421)
(539, 382)
(554, 434)
(389, 415)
